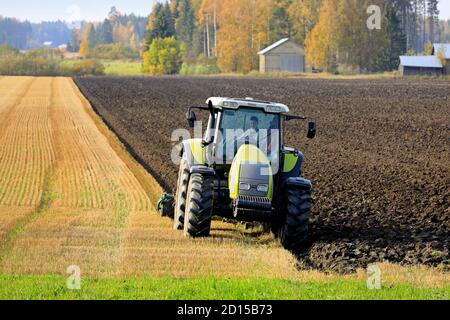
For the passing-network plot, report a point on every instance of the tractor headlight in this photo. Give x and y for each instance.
(263, 188)
(245, 186)
(271, 108)
(230, 104)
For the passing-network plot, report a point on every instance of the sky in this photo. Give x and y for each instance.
(71, 10)
(94, 10)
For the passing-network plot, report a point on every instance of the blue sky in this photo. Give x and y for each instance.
(38, 10)
(49, 10)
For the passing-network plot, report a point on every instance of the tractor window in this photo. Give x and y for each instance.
(251, 126)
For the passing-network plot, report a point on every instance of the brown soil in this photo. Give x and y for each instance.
(380, 163)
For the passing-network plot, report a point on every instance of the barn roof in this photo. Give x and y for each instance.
(445, 47)
(273, 46)
(421, 61)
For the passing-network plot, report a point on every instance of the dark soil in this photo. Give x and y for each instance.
(380, 163)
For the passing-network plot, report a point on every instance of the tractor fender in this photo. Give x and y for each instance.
(293, 163)
(194, 152)
(204, 171)
(299, 182)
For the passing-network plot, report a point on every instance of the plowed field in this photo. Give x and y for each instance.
(380, 165)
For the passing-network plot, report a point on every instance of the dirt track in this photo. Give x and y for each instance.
(380, 163)
(71, 195)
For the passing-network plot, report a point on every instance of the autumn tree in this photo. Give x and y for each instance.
(321, 42)
(303, 15)
(208, 20)
(86, 40)
(236, 37)
(351, 34)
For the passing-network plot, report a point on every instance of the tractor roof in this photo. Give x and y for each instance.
(234, 103)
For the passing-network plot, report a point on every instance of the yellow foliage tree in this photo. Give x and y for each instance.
(84, 45)
(303, 15)
(237, 46)
(208, 17)
(321, 42)
(428, 50)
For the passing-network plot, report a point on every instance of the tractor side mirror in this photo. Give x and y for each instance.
(312, 130)
(191, 118)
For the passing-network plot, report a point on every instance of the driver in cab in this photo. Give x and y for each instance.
(252, 133)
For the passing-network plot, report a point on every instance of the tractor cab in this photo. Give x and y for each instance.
(240, 169)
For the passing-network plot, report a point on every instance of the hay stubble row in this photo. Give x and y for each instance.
(70, 195)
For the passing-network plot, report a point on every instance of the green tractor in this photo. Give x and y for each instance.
(241, 170)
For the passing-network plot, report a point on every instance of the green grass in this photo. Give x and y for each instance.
(146, 288)
(123, 68)
(114, 67)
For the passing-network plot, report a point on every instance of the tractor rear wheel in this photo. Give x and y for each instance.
(199, 206)
(293, 232)
(181, 195)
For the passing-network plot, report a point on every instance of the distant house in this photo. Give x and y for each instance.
(442, 50)
(282, 56)
(436, 64)
(420, 65)
(62, 48)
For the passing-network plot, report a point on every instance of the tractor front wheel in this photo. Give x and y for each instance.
(293, 232)
(181, 194)
(199, 206)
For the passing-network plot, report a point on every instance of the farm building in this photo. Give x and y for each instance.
(420, 65)
(442, 50)
(282, 56)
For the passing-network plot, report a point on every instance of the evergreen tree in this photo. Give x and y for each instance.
(396, 39)
(433, 18)
(185, 26)
(169, 20)
(279, 25)
(74, 43)
(160, 24)
(104, 33)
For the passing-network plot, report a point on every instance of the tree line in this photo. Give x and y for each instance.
(190, 36)
(229, 33)
(24, 35)
(120, 29)
(118, 32)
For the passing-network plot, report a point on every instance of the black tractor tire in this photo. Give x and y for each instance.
(181, 195)
(199, 206)
(293, 230)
